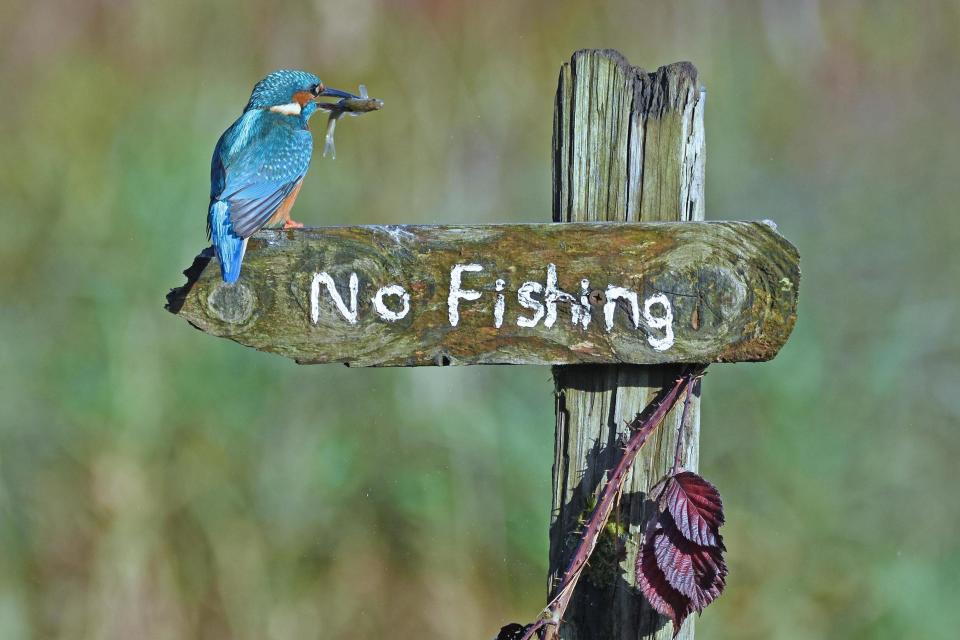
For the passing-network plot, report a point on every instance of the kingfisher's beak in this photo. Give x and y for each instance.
(335, 93)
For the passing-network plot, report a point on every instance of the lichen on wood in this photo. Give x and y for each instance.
(722, 282)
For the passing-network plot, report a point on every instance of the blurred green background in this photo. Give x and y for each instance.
(159, 483)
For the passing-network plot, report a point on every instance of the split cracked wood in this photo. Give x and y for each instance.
(628, 146)
(561, 294)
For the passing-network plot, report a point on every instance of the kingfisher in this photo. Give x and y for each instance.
(259, 163)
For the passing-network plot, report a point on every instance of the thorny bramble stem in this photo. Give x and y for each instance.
(642, 427)
(693, 389)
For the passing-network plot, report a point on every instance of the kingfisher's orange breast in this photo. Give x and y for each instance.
(282, 213)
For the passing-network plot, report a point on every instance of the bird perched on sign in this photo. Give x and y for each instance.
(260, 161)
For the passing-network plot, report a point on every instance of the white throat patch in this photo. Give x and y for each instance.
(289, 109)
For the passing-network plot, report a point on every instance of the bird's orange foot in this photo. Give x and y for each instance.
(292, 224)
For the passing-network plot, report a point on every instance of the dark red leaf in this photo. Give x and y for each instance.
(656, 589)
(696, 571)
(696, 508)
(680, 567)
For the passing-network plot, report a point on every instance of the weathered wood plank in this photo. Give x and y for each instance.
(707, 292)
(628, 146)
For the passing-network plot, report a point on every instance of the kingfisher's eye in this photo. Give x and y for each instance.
(316, 89)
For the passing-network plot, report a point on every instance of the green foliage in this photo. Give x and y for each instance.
(609, 553)
(155, 482)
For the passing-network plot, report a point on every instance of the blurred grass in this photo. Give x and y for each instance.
(157, 483)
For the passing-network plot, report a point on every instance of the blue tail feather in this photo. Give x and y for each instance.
(229, 246)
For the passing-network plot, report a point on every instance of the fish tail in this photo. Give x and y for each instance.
(328, 146)
(229, 246)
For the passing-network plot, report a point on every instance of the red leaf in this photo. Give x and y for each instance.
(696, 571)
(680, 567)
(655, 587)
(696, 508)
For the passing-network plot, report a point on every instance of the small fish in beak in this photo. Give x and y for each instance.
(350, 105)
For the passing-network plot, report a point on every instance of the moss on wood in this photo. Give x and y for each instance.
(724, 281)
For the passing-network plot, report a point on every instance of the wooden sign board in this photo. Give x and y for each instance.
(645, 293)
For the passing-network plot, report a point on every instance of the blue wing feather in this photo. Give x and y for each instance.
(257, 163)
(228, 245)
(248, 216)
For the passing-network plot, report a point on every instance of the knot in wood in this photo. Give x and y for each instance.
(231, 303)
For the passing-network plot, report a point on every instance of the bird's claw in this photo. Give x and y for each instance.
(292, 224)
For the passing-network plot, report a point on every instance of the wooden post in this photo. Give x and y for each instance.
(628, 146)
